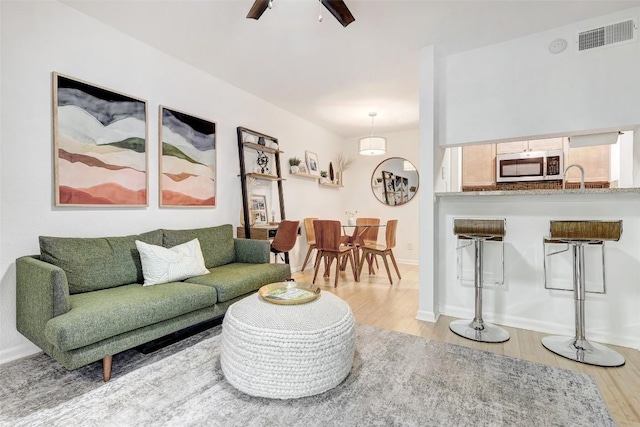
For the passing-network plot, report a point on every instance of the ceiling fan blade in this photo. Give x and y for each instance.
(339, 10)
(258, 8)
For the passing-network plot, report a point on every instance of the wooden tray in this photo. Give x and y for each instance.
(289, 293)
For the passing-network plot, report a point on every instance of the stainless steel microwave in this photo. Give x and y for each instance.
(530, 166)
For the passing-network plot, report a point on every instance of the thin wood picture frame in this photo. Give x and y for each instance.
(100, 145)
(311, 159)
(259, 209)
(187, 159)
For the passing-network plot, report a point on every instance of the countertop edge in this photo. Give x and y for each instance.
(553, 192)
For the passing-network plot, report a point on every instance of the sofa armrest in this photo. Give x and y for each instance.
(252, 251)
(42, 292)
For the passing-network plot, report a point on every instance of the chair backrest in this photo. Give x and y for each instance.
(370, 235)
(308, 228)
(286, 236)
(392, 225)
(328, 234)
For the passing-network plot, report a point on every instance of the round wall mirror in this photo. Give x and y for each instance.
(395, 181)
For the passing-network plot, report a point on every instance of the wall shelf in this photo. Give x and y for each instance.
(264, 176)
(304, 175)
(327, 184)
(259, 147)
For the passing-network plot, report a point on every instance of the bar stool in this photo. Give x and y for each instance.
(479, 230)
(577, 234)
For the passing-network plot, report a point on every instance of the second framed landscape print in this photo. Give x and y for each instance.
(187, 160)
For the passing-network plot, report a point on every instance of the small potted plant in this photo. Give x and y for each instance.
(294, 164)
(323, 175)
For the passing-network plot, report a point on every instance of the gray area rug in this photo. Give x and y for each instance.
(396, 380)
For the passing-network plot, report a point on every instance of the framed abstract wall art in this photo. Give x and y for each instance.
(187, 160)
(100, 145)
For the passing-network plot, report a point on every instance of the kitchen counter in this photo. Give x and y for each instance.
(554, 192)
(522, 301)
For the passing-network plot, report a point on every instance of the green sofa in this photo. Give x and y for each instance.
(82, 299)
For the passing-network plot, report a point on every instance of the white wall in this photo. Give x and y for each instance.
(430, 161)
(41, 37)
(519, 90)
(358, 196)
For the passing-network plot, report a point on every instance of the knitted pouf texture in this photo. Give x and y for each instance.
(287, 351)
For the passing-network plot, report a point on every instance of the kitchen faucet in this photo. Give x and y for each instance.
(564, 176)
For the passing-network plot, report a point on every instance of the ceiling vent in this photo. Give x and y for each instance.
(620, 32)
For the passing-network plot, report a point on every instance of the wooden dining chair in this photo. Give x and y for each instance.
(366, 233)
(311, 239)
(383, 250)
(328, 243)
(285, 238)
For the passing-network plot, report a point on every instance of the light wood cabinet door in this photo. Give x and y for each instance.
(479, 165)
(545, 144)
(531, 145)
(511, 147)
(595, 161)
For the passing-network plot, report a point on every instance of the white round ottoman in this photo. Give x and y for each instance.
(287, 351)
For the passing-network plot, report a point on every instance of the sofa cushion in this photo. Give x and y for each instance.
(216, 243)
(163, 265)
(97, 263)
(236, 279)
(98, 315)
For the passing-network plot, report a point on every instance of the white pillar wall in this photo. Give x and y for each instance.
(427, 305)
(636, 156)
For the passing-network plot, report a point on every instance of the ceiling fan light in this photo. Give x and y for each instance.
(372, 145)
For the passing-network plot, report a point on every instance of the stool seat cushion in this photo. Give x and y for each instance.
(479, 227)
(586, 230)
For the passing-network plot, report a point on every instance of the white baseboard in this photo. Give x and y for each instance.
(427, 316)
(407, 261)
(18, 352)
(542, 326)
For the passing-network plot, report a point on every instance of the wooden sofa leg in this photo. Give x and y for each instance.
(106, 368)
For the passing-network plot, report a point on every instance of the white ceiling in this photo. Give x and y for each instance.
(327, 74)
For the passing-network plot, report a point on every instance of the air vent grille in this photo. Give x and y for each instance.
(607, 35)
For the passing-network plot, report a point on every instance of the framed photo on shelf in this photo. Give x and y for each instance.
(311, 159)
(259, 209)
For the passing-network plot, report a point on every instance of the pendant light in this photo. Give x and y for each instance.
(372, 145)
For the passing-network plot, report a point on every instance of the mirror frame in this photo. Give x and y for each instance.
(378, 171)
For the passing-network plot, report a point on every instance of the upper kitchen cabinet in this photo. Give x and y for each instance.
(546, 144)
(479, 165)
(595, 160)
(531, 145)
(511, 147)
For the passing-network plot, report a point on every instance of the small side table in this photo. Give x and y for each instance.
(287, 351)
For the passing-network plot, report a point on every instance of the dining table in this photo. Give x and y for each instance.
(355, 238)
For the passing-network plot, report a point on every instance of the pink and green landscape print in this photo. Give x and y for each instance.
(188, 165)
(100, 145)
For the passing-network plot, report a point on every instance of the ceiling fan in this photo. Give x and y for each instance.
(337, 8)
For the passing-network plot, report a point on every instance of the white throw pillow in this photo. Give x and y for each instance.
(162, 265)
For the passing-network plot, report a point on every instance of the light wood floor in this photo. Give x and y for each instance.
(375, 302)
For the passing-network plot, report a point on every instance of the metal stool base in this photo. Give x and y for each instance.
(583, 351)
(486, 332)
